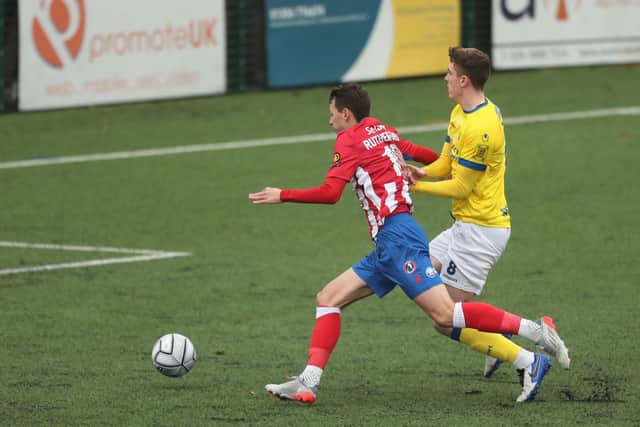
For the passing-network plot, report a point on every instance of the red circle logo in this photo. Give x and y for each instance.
(58, 30)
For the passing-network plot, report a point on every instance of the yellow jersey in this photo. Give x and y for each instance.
(473, 156)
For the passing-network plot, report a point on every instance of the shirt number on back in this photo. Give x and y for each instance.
(392, 152)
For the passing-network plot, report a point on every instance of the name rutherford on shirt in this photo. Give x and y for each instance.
(375, 140)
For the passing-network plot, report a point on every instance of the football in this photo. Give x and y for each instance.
(173, 355)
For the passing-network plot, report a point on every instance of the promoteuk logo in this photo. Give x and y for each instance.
(58, 30)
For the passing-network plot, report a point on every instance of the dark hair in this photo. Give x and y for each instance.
(473, 63)
(351, 96)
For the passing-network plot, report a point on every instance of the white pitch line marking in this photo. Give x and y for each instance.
(298, 139)
(140, 255)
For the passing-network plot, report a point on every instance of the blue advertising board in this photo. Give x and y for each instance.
(320, 41)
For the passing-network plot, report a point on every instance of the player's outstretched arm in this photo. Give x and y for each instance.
(459, 187)
(442, 166)
(328, 192)
(268, 195)
(436, 166)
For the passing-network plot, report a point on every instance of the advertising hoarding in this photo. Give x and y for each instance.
(543, 33)
(80, 52)
(311, 42)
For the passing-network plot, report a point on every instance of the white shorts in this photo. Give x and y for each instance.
(467, 252)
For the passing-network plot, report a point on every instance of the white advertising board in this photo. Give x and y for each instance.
(544, 33)
(88, 52)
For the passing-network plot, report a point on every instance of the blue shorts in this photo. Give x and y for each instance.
(401, 258)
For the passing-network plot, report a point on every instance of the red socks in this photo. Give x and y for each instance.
(485, 317)
(477, 315)
(325, 336)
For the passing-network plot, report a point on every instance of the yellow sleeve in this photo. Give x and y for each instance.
(442, 166)
(457, 188)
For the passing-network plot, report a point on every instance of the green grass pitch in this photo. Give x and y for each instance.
(75, 343)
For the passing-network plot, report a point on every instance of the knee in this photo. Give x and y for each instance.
(324, 298)
(437, 304)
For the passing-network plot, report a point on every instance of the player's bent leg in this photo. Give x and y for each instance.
(437, 304)
(488, 318)
(345, 289)
(491, 363)
(496, 347)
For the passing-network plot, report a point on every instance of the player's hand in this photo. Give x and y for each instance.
(413, 173)
(404, 167)
(268, 195)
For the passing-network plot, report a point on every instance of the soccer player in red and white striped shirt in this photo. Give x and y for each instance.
(367, 154)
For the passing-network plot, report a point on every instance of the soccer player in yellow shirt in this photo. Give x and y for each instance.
(471, 171)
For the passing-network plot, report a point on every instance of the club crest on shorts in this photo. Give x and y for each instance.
(409, 267)
(430, 272)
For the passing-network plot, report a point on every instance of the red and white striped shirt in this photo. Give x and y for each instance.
(367, 154)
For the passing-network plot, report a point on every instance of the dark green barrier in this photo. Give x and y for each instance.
(245, 45)
(8, 54)
(2, 49)
(476, 24)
